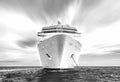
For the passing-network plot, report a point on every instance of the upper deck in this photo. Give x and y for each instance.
(58, 29)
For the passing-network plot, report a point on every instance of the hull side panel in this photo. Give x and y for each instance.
(71, 53)
(52, 46)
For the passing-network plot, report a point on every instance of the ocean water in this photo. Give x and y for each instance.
(79, 74)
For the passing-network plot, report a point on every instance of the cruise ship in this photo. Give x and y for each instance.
(58, 46)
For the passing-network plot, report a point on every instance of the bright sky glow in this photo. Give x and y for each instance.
(72, 11)
(108, 36)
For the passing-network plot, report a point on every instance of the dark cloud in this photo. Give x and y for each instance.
(28, 42)
(101, 46)
(9, 61)
(90, 4)
(91, 12)
(97, 13)
(94, 57)
(12, 3)
(12, 62)
(115, 51)
(38, 9)
(55, 6)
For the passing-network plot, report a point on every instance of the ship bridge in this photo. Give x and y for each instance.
(66, 29)
(57, 28)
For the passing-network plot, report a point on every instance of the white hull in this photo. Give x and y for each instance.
(56, 51)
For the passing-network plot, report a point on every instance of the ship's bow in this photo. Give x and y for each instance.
(59, 51)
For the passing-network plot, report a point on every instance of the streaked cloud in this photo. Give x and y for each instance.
(111, 59)
(28, 42)
(98, 14)
(98, 20)
(102, 40)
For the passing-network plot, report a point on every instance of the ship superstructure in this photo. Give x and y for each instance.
(58, 46)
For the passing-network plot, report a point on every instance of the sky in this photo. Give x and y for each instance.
(97, 20)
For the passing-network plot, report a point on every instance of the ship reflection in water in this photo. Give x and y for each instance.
(81, 74)
(59, 76)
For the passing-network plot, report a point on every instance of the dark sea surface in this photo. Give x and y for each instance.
(78, 74)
